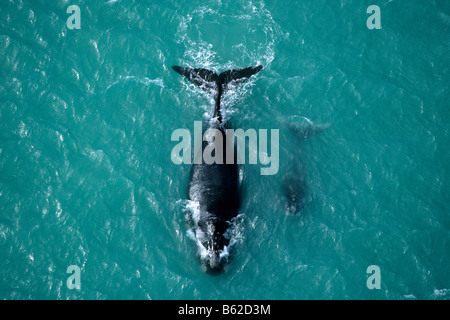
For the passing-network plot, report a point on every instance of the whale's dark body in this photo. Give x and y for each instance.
(215, 187)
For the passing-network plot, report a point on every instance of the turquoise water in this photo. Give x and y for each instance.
(86, 176)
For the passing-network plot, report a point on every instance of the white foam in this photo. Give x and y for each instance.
(234, 233)
(193, 207)
(247, 48)
(143, 80)
(441, 293)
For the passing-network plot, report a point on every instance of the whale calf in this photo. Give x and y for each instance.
(214, 188)
(294, 181)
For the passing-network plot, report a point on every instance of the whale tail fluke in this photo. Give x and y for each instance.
(232, 78)
(204, 78)
(212, 83)
(215, 84)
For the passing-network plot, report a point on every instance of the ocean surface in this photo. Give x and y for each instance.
(87, 180)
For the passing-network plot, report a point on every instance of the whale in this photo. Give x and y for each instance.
(214, 188)
(294, 184)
